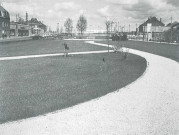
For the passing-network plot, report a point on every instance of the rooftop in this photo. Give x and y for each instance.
(154, 21)
(4, 13)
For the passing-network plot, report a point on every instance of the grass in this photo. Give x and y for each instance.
(32, 87)
(35, 47)
(166, 50)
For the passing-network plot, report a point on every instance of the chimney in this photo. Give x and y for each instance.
(16, 17)
(160, 19)
(26, 17)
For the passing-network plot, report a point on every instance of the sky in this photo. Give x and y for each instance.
(126, 12)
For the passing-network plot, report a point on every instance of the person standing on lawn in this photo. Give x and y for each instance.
(66, 48)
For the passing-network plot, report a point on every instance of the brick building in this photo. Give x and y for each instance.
(19, 29)
(4, 23)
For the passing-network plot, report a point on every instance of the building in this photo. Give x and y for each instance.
(172, 35)
(156, 25)
(19, 29)
(4, 23)
(37, 27)
(27, 27)
(173, 25)
(152, 29)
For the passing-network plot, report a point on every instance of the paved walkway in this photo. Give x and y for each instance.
(149, 105)
(50, 55)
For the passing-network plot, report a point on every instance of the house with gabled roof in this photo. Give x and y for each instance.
(152, 29)
(172, 34)
(156, 25)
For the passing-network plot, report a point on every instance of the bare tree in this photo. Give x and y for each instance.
(108, 24)
(81, 24)
(68, 25)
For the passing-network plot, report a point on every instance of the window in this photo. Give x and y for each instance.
(0, 13)
(7, 14)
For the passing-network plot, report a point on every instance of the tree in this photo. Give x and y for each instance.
(34, 20)
(61, 29)
(168, 37)
(81, 24)
(21, 20)
(68, 25)
(108, 23)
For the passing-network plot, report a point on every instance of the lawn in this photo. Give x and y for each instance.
(35, 47)
(162, 49)
(32, 87)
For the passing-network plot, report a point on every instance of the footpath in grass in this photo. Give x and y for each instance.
(33, 87)
(162, 49)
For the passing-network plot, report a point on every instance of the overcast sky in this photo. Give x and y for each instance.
(126, 12)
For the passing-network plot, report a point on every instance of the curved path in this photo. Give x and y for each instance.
(150, 105)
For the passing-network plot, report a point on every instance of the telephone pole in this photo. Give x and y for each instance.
(136, 31)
